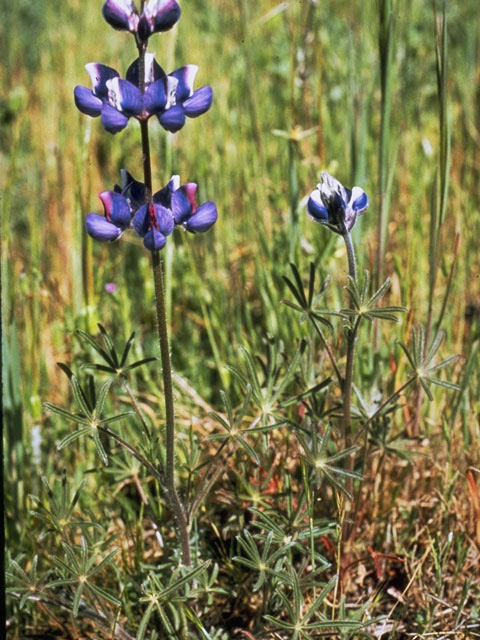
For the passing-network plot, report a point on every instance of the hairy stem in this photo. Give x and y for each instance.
(157, 269)
(348, 382)
(175, 504)
(352, 263)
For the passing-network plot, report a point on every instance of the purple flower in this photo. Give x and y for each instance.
(335, 206)
(157, 15)
(113, 223)
(116, 100)
(186, 212)
(172, 206)
(111, 287)
(185, 101)
(127, 206)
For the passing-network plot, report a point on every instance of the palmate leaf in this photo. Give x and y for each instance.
(307, 300)
(114, 364)
(92, 411)
(361, 307)
(421, 359)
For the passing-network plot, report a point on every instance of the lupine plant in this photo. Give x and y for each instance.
(136, 207)
(337, 207)
(148, 91)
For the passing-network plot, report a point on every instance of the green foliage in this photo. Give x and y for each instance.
(421, 359)
(262, 466)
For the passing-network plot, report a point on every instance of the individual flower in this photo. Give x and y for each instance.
(187, 214)
(113, 223)
(117, 100)
(156, 16)
(110, 287)
(335, 206)
(185, 101)
(174, 205)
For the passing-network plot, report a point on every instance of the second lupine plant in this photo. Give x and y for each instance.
(148, 91)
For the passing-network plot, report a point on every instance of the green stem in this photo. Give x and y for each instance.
(176, 505)
(172, 495)
(348, 381)
(352, 263)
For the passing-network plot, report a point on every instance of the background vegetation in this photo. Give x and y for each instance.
(299, 87)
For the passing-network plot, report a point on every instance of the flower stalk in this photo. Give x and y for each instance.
(348, 381)
(147, 91)
(336, 207)
(173, 497)
(161, 316)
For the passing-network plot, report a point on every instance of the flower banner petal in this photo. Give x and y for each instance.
(161, 14)
(100, 74)
(153, 71)
(186, 78)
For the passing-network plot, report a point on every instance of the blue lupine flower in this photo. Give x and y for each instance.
(110, 226)
(174, 205)
(186, 212)
(335, 206)
(157, 15)
(127, 206)
(185, 101)
(117, 100)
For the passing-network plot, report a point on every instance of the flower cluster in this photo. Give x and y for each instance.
(335, 206)
(169, 97)
(128, 207)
